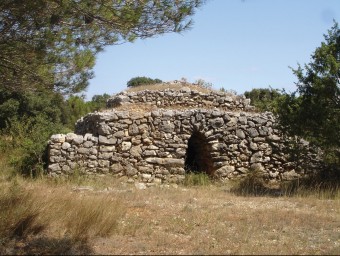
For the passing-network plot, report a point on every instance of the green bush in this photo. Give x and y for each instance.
(264, 99)
(136, 81)
(74, 108)
(312, 112)
(27, 120)
(26, 140)
(16, 104)
(98, 102)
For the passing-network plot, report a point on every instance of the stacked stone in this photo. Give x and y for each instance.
(185, 97)
(151, 147)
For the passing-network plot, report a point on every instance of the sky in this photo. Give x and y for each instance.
(235, 44)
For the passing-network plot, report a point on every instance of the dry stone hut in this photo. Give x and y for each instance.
(157, 136)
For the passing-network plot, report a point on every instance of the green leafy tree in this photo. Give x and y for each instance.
(48, 50)
(75, 107)
(142, 80)
(313, 111)
(52, 44)
(98, 102)
(264, 99)
(26, 143)
(27, 120)
(16, 104)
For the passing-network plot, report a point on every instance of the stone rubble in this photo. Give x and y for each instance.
(185, 97)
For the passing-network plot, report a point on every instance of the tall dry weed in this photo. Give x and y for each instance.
(19, 213)
(57, 211)
(197, 179)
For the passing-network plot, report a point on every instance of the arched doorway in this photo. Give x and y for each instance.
(198, 158)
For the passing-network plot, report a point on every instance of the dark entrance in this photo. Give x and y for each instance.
(198, 158)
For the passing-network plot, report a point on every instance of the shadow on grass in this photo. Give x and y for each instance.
(254, 185)
(46, 246)
(324, 185)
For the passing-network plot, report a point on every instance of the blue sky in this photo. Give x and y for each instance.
(235, 44)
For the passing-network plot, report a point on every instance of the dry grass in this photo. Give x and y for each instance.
(197, 179)
(211, 220)
(317, 186)
(105, 216)
(40, 216)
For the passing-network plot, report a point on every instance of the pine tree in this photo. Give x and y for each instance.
(313, 111)
(53, 43)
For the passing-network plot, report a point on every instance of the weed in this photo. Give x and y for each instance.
(37, 206)
(197, 179)
(19, 212)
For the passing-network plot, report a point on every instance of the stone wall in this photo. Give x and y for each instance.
(185, 97)
(162, 145)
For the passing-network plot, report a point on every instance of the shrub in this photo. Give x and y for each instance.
(98, 102)
(74, 108)
(136, 81)
(27, 139)
(264, 99)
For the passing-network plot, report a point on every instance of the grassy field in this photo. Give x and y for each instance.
(106, 216)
